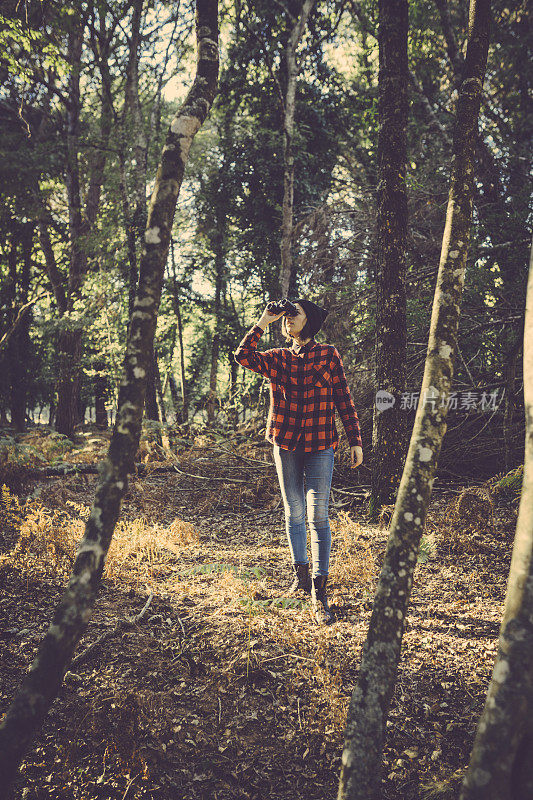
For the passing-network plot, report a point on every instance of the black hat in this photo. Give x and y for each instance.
(315, 315)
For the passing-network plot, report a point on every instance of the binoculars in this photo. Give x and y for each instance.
(285, 306)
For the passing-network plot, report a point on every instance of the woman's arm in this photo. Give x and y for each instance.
(247, 355)
(344, 402)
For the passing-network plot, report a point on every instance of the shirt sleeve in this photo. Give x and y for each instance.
(344, 402)
(247, 355)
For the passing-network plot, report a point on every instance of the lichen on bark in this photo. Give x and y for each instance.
(40, 686)
(500, 765)
(362, 757)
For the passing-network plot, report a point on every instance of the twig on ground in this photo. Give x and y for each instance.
(210, 477)
(286, 655)
(244, 458)
(121, 624)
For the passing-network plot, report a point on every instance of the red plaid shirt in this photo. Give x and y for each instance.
(307, 382)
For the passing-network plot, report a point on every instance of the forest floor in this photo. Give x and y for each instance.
(223, 689)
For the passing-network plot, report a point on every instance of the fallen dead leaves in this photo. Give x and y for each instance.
(221, 692)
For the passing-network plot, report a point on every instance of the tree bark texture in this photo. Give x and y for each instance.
(500, 765)
(183, 414)
(389, 443)
(503, 223)
(70, 337)
(51, 268)
(220, 289)
(101, 395)
(81, 223)
(288, 154)
(367, 715)
(132, 129)
(39, 688)
(159, 388)
(151, 410)
(18, 343)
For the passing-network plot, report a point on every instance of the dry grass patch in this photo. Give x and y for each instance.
(141, 552)
(44, 541)
(353, 568)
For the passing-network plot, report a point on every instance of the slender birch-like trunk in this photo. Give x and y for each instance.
(367, 715)
(501, 767)
(293, 69)
(505, 222)
(40, 686)
(389, 440)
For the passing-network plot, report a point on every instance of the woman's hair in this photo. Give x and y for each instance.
(305, 333)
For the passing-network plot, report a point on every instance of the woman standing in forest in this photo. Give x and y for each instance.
(307, 382)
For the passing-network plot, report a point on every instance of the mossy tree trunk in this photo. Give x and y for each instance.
(39, 688)
(501, 767)
(367, 714)
(389, 443)
(504, 222)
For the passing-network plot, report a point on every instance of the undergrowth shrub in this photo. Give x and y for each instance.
(508, 487)
(16, 463)
(46, 541)
(42, 540)
(464, 525)
(10, 519)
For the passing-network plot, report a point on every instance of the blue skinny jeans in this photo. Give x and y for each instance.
(317, 468)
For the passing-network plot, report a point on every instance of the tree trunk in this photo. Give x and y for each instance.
(52, 271)
(389, 440)
(183, 381)
(101, 391)
(184, 415)
(18, 343)
(217, 309)
(504, 223)
(132, 130)
(509, 405)
(136, 133)
(175, 397)
(80, 226)
(288, 154)
(68, 382)
(500, 765)
(367, 715)
(159, 388)
(151, 409)
(12, 343)
(39, 688)
(70, 338)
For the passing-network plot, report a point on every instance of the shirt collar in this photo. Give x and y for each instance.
(300, 348)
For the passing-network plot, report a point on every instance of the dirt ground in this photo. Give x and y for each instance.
(223, 689)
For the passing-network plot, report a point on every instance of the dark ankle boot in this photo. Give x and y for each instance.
(321, 609)
(302, 578)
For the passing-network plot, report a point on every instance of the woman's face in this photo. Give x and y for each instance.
(295, 324)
